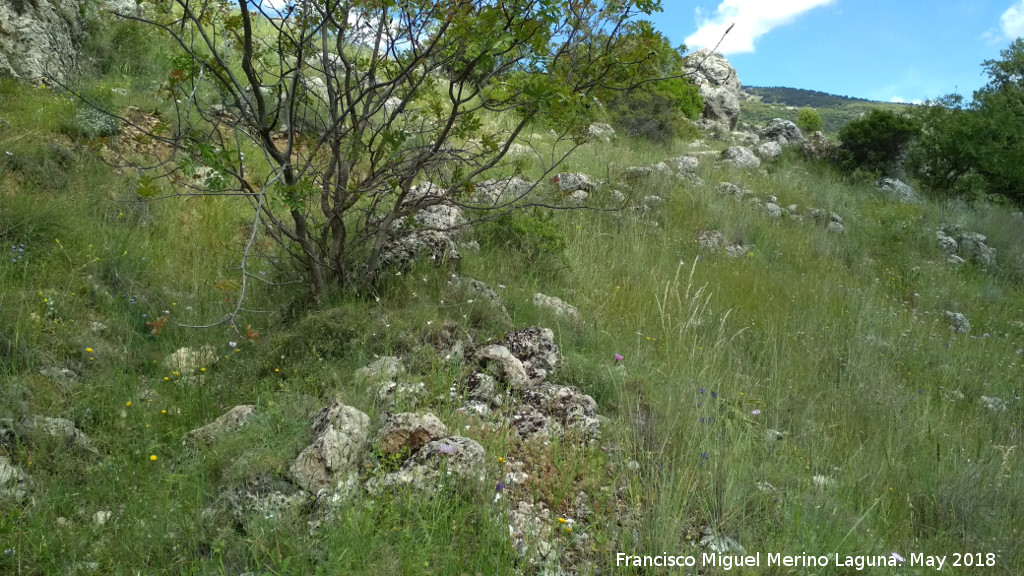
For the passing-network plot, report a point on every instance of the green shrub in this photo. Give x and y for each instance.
(532, 236)
(875, 142)
(809, 120)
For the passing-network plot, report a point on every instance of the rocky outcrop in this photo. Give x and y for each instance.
(817, 146)
(331, 462)
(461, 459)
(782, 131)
(740, 157)
(409, 432)
(232, 420)
(556, 305)
(719, 86)
(40, 39)
(602, 132)
(960, 246)
(768, 151)
(899, 190)
(958, 322)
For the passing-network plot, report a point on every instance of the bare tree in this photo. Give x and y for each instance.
(356, 105)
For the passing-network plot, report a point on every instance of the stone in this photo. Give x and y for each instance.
(835, 227)
(41, 38)
(461, 459)
(15, 483)
(744, 138)
(993, 404)
(504, 366)
(481, 387)
(535, 347)
(229, 421)
(384, 368)
(572, 408)
(740, 157)
(602, 132)
(570, 182)
(331, 462)
(958, 322)
(818, 147)
(768, 151)
(947, 244)
(61, 429)
(773, 210)
(781, 131)
(62, 376)
(501, 192)
(736, 251)
(718, 84)
(188, 361)
(577, 198)
(974, 249)
(391, 393)
(263, 496)
(730, 189)
(650, 203)
(711, 240)
(683, 164)
(899, 190)
(531, 422)
(556, 305)
(408, 432)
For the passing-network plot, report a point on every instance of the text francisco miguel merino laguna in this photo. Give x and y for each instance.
(858, 562)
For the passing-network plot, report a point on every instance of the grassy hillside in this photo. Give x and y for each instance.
(807, 397)
(835, 111)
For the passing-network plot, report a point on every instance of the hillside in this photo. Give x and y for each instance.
(657, 353)
(835, 111)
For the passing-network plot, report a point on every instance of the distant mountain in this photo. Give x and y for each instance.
(799, 97)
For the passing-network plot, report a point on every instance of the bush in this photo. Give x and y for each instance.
(809, 120)
(531, 235)
(875, 142)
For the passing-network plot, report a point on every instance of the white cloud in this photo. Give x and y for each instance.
(898, 100)
(1012, 21)
(752, 19)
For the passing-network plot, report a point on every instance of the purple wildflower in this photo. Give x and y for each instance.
(500, 486)
(618, 358)
(714, 394)
(703, 390)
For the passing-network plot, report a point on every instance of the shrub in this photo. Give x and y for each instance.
(875, 142)
(809, 120)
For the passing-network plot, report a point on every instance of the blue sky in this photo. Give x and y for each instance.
(889, 50)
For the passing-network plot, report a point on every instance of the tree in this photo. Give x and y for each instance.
(998, 129)
(876, 141)
(355, 105)
(809, 120)
(654, 110)
(944, 153)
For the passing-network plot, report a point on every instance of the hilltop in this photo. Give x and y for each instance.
(684, 339)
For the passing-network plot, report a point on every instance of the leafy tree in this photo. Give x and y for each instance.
(876, 141)
(809, 120)
(655, 110)
(352, 103)
(997, 128)
(944, 154)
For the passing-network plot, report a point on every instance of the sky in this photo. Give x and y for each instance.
(887, 50)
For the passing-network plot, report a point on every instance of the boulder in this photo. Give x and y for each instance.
(602, 132)
(381, 369)
(556, 305)
(231, 420)
(61, 429)
(711, 240)
(974, 248)
(572, 408)
(409, 431)
(958, 322)
(784, 132)
(768, 151)
(719, 86)
(501, 192)
(818, 147)
(571, 182)
(504, 366)
(41, 39)
(947, 244)
(684, 164)
(188, 361)
(899, 190)
(461, 459)
(14, 482)
(773, 210)
(535, 347)
(740, 157)
(330, 462)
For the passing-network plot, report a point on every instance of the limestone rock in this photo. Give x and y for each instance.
(974, 248)
(15, 483)
(958, 322)
(188, 361)
(719, 86)
(818, 147)
(556, 305)
(537, 350)
(385, 368)
(571, 182)
(41, 38)
(501, 192)
(740, 157)
(409, 431)
(783, 132)
(899, 190)
(711, 240)
(773, 210)
(602, 132)
(684, 164)
(504, 366)
(231, 420)
(768, 150)
(330, 462)
(461, 458)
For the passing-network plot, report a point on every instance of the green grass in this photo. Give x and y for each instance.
(839, 341)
